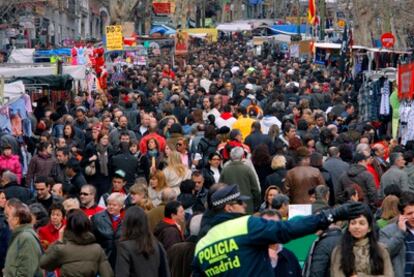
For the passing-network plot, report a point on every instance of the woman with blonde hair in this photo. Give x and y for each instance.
(389, 210)
(157, 184)
(176, 171)
(139, 196)
(270, 193)
(277, 178)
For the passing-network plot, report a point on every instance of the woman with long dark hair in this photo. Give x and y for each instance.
(359, 253)
(139, 253)
(262, 161)
(76, 252)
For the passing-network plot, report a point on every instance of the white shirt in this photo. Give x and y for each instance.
(216, 174)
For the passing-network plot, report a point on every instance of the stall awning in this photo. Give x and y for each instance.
(163, 30)
(288, 29)
(53, 82)
(328, 45)
(234, 27)
(77, 72)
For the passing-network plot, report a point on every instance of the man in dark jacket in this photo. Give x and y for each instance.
(319, 258)
(169, 231)
(12, 189)
(256, 137)
(44, 196)
(58, 172)
(75, 177)
(127, 162)
(237, 244)
(115, 135)
(335, 166)
(106, 226)
(358, 174)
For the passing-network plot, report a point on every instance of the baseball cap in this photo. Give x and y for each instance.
(226, 195)
(120, 173)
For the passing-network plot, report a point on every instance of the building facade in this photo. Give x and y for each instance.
(52, 23)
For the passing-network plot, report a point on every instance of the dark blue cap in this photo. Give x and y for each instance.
(227, 194)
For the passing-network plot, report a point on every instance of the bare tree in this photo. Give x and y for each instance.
(371, 18)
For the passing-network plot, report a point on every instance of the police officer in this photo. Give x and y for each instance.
(237, 244)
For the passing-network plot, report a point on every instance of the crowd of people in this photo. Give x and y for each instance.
(190, 170)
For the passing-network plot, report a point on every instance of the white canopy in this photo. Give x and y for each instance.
(234, 27)
(24, 55)
(77, 72)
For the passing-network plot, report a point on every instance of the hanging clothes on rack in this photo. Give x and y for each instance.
(406, 121)
(369, 99)
(385, 99)
(14, 116)
(5, 122)
(395, 105)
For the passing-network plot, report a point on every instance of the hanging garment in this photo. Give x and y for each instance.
(5, 123)
(17, 129)
(19, 107)
(385, 99)
(395, 105)
(405, 115)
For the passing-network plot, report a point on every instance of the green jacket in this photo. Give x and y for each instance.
(23, 254)
(237, 172)
(77, 256)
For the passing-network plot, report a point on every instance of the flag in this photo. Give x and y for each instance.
(344, 51)
(312, 18)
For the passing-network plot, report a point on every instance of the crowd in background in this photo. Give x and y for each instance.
(120, 181)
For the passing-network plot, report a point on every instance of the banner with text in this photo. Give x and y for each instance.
(114, 39)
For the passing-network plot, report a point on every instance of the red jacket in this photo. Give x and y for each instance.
(92, 211)
(168, 74)
(143, 143)
(11, 163)
(374, 173)
(48, 234)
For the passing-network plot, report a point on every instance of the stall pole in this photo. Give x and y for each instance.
(1, 90)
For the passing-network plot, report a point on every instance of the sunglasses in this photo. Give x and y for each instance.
(84, 194)
(179, 144)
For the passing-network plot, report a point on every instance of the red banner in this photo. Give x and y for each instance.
(181, 43)
(406, 81)
(162, 8)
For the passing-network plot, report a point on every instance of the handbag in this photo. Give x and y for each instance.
(90, 169)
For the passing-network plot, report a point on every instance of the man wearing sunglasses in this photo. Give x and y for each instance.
(87, 199)
(237, 244)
